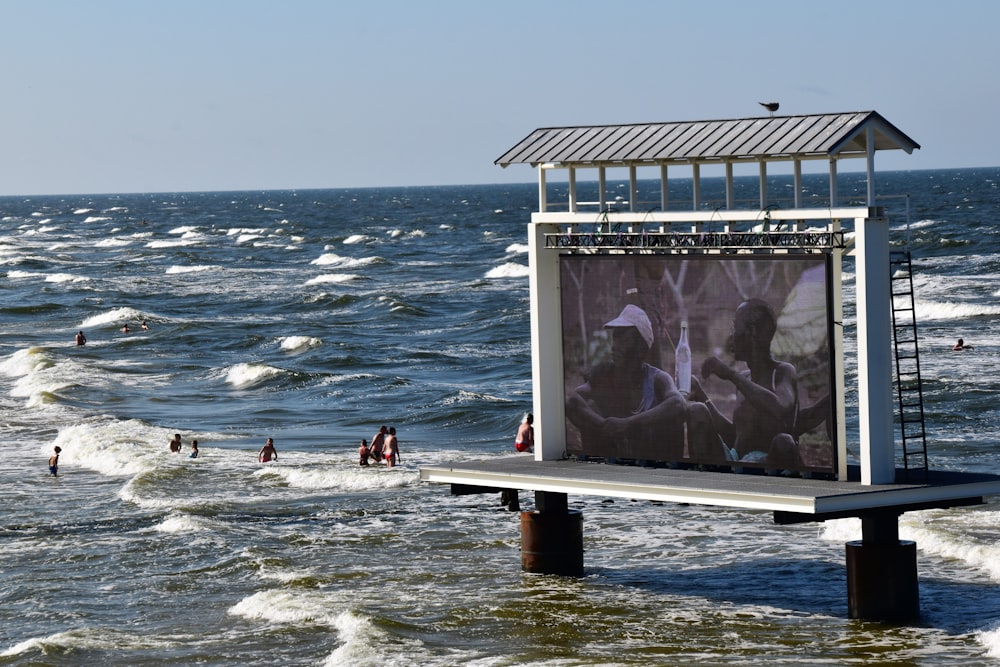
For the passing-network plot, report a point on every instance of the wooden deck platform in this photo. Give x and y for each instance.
(792, 499)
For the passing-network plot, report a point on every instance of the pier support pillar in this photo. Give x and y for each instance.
(882, 572)
(552, 537)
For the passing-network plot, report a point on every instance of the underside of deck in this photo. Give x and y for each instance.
(791, 499)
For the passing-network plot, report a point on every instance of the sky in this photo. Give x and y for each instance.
(114, 96)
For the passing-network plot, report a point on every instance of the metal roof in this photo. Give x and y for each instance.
(741, 139)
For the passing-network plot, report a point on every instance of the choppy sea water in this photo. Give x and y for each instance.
(315, 316)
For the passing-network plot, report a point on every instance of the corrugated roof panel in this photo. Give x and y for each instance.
(693, 141)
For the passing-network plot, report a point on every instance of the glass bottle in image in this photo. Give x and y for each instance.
(682, 361)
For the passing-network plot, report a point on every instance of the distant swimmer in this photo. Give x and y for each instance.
(267, 452)
(194, 450)
(145, 325)
(54, 463)
(175, 444)
(80, 339)
(960, 345)
(125, 328)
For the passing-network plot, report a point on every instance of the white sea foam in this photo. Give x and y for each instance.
(935, 310)
(188, 269)
(332, 278)
(111, 317)
(299, 343)
(113, 243)
(82, 211)
(337, 261)
(182, 524)
(183, 229)
(356, 238)
(109, 446)
(244, 230)
(280, 606)
(508, 270)
(517, 248)
(355, 478)
(96, 218)
(180, 243)
(246, 375)
(246, 238)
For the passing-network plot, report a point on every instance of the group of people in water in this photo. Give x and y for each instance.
(176, 446)
(384, 448)
(81, 338)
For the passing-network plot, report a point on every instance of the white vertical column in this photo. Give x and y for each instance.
(572, 189)
(602, 187)
(833, 182)
(543, 198)
(762, 180)
(797, 180)
(633, 188)
(730, 190)
(870, 140)
(874, 350)
(546, 345)
(696, 185)
(664, 188)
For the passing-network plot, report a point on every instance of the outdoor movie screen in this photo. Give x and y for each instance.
(718, 361)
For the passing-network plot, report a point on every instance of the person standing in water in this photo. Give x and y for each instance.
(525, 440)
(81, 340)
(54, 463)
(390, 448)
(175, 444)
(363, 453)
(375, 449)
(194, 449)
(267, 452)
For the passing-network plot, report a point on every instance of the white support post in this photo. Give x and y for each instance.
(874, 349)
(730, 191)
(696, 186)
(543, 200)
(633, 188)
(572, 190)
(763, 185)
(664, 188)
(797, 180)
(870, 136)
(602, 187)
(546, 345)
(833, 182)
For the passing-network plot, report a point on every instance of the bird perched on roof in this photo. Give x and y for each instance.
(770, 106)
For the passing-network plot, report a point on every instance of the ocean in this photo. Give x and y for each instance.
(314, 317)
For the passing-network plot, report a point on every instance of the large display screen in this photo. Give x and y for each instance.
(720, 362)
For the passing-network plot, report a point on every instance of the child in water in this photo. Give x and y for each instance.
(194, 450)
(54, 463)
(363, 453)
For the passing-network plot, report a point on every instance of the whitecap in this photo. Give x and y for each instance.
(96, 218)
(517, 248)
(188, 269)
(332, 278)
(508, 270)
(285, 606)
(356, 238)
(299, 343)
(111, 317)
(246, 375)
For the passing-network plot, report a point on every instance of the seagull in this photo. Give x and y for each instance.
(770, 106)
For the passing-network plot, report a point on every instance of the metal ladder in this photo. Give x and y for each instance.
(909, 391)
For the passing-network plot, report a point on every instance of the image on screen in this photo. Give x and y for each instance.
(716, 362)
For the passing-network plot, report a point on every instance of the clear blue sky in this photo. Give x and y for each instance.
(176, 95)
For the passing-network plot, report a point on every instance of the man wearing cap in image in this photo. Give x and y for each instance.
(628, 408)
